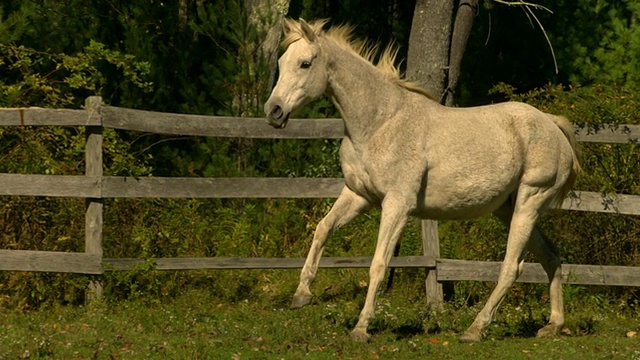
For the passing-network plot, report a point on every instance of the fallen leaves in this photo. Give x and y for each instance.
(437, 341)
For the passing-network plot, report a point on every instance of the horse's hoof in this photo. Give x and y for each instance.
(360, 336)
(300, 301)
(470, 337)
(549, 330)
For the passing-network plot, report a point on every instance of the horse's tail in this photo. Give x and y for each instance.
(567, 129)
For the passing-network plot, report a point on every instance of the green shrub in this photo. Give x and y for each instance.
(46, 79)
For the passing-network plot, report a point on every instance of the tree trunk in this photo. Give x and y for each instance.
(183, 19)
(268, 17)
(260, 52)
(467, 10)
(427, 62)
(428, 53)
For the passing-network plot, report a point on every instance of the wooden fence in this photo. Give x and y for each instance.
(95, 187)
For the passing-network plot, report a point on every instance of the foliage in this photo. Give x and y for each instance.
(605, 48)
(49, 79)
(33, 77)
(58, 80)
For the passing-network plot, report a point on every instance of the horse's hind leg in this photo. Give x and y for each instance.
(392, 271)
(525, 213)
(549, 257)
(346, 208)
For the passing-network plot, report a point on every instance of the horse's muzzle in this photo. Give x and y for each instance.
(277, 117)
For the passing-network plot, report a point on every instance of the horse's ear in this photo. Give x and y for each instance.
(288, 25)
(307, 31)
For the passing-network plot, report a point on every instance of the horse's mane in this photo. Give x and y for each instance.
(343, 36)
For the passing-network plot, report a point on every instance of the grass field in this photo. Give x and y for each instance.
(197, 325)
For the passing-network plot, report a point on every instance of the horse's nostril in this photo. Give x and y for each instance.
(276, 113)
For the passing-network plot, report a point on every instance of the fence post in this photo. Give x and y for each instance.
(93, 206)
(431, 247)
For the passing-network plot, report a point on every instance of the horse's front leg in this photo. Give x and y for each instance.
(395, 213)
(346, 208)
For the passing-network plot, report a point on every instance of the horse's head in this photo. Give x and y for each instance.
(303, 73)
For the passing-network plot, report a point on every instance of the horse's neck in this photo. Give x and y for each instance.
(364, 97)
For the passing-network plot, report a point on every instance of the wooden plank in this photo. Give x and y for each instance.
(34, 116)
(199, 125)
(608, 133)
(218, 126)
(449, 270)
(228, 263)
(159, 187)
(162, 187)
(454, 270)
(308, 188)
(50, 261)
(50, 185)
(599, 202)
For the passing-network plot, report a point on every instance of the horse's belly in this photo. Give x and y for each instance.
(456, 209)
(464, 199)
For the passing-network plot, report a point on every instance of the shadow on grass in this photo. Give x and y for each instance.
(408, 330)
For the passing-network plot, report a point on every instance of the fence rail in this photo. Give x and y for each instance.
(94, 187)
(239, 187)
(220, 126)
(230, 263)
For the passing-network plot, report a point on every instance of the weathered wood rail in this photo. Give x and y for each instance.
(94, 187)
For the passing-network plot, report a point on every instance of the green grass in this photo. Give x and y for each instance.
(198, 325)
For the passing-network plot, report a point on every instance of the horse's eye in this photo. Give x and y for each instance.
(305, 65)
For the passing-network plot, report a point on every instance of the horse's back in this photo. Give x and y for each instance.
(478, 156)
(505, 127)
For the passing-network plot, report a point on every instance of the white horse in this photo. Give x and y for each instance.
(413, 157)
